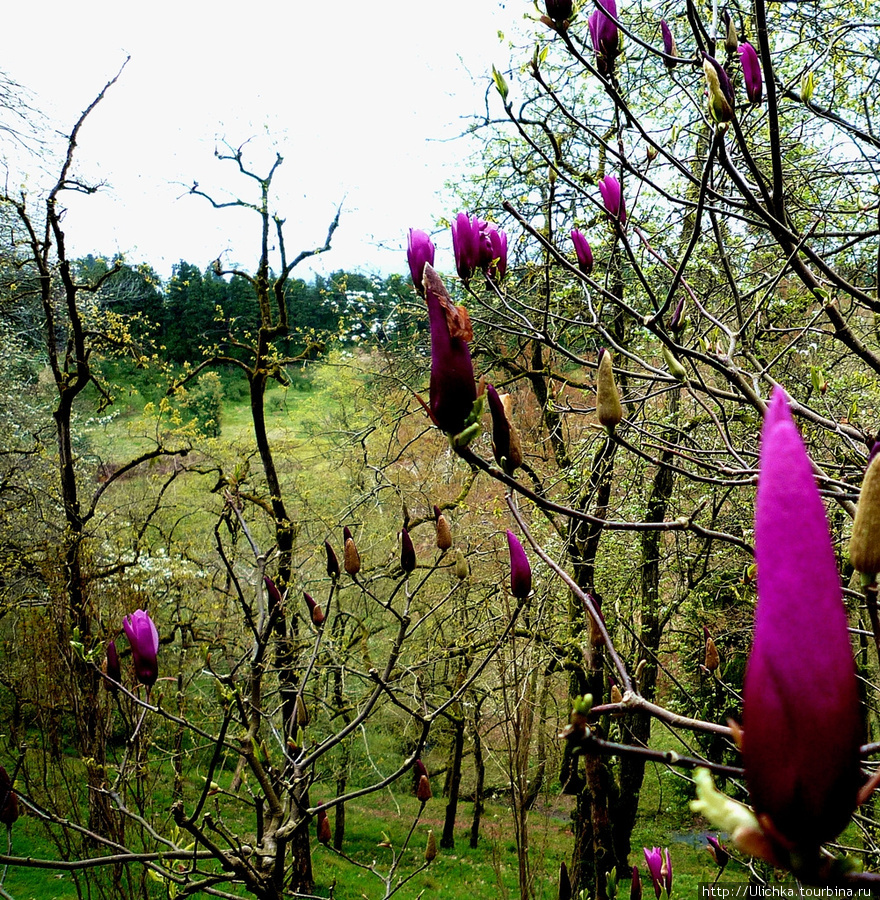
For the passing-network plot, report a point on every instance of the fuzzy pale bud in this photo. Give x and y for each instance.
(608, 408)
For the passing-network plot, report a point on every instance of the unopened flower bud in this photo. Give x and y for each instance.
(323, 827)
(506, 445)
(302, 713)
(564, 883)
(711, 659)
(717, 851)
(431, 847)
(351, 559)
(461, 567)
(112, 669)
(864, 545)
(616, 696)
(315, 611)
(407, 552)
(731, 41)
(608, 408)
(520, 570)
(332, 561)
(444, 531)
(8, 799)
(423, 791)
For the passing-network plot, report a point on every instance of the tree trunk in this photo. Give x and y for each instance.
(447, 841)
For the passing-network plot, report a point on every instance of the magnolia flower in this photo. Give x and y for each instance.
(493, 251)
(751, 71)
(8, 800)
(419, 251)
(144, 640)
(669, 45)
(612, 197)
(466, 240)
(324, 834)
(453, 390)
(801, 722)
(315, 612)
(721, 100)
(731, 41)
(444, 530)
(332, 561)
(660, 869)
(605, 36)
(407, 552)
(520, 570)
(582, 250)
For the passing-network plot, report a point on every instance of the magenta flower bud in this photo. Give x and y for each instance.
(144, 640)
(419, 251)
(582, 251)
(466, 241)
(332, 561)
(323, 827)
(717, 851)
(635, 887)
(801, 722)
(407, 552)
(564, 883)
(8, 799)
(272, 590)
(453, 390)
(112, 669)
(420, 769)
(669, 45)
(654, 861)
(612, 197)
(676, 323)
(751, 71)
(559, 10)
(493, 251)
(520, 570)
(605, 36)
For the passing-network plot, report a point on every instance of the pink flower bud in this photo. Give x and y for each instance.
(144, 640)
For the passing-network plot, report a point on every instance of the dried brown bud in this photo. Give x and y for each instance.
(431, 847)
(444, 531)
(323, 827)
(616, 696)
(608, 408)
(711, 660)
(351, 557)
(423, 791)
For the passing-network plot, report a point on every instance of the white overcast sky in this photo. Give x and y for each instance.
(361, 97)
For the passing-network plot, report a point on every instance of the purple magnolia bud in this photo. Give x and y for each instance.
(635, 887)
(559, 10)
(582, 250)
(493, 251)
(8, 799)
(332, 561)
(721, 100)
(506, 445)
(453, 390)
(669, 45)
(801, 721)
(144, 640)
(112, 669)
(731, 41)
(272, 590)
(520, 570)
(564, 883)
(612, 197)
(420, 250)
(751, 71)
(407, 552)
(676, 323)
(605, 36)
(717, 851)
(654, 861)
(466, 242)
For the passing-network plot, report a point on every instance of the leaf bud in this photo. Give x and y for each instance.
(431, 847)
(461, 568)
(864, 545)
